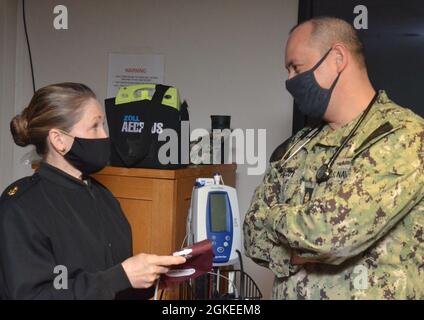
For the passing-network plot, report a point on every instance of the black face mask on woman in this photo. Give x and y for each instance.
(309, 96)
(88, 155)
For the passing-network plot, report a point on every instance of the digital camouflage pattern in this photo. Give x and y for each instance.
(363, 228)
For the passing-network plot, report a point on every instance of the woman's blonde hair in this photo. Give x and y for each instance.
(55, 106)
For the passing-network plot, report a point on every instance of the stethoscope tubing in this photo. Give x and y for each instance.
(309, 135)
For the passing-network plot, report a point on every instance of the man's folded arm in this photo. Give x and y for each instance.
(384, 185)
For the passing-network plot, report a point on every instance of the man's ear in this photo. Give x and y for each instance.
(57, 141)
(342, 56)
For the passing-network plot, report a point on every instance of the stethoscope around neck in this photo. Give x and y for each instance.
(324, 172)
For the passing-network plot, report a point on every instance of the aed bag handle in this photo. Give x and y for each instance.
(146, 140)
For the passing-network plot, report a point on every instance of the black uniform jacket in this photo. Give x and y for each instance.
(63, 238)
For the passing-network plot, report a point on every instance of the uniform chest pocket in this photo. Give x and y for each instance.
(290, 183)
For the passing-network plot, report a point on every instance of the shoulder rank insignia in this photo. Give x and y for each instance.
(12, 191)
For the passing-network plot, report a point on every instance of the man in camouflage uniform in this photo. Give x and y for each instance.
(360, 234)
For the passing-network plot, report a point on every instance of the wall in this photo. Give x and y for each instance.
(8, 13)
(226, 57)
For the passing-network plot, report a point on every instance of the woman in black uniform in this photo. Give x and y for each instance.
(62, 234)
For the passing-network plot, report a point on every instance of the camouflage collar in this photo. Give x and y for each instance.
(382, 97)
(334, 138)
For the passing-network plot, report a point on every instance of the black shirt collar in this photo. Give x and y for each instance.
(60, 177)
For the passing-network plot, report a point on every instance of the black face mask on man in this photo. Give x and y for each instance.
(309, 96)
(88, 155)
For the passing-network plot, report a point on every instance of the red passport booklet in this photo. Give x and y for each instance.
(199, 261)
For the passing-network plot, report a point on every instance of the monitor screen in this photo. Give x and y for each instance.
(218, 212)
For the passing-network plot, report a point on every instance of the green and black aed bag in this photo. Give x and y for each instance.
(137, 116)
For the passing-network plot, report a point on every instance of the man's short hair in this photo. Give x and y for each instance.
(328, 30)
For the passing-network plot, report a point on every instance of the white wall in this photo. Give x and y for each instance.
(15, 91)
(225, 56)
(7, 86)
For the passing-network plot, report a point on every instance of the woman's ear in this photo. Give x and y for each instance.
(57, 141)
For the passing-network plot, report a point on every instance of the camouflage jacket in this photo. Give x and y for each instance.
(363, 228)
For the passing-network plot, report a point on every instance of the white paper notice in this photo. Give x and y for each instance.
(130, 69)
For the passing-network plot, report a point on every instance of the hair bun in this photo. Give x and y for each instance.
(19, 130)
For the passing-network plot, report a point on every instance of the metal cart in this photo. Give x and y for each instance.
(221, 284)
